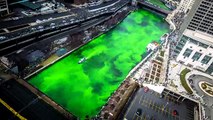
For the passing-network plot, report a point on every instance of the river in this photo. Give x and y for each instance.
(84, 88)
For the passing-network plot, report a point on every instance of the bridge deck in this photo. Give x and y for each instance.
(153, 7)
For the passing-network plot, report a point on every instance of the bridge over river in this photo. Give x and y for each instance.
(153, 7)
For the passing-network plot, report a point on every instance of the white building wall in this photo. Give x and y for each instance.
(195, 48)
(185, 5)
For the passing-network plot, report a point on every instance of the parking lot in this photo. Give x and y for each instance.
(150, 105)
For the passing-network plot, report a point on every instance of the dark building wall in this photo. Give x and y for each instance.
(78, 2)
(69, 1)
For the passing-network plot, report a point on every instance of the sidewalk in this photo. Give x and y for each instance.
(174, 76)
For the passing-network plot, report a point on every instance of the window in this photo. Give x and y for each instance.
(206, 59)
(184, 38)
(203, 45)
(178, 48)
(187, 52)
(196, 56)
(193, 41)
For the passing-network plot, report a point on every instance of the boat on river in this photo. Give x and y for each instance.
(82, 60)
(151, 46)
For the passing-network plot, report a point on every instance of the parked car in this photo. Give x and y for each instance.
(174, 112)
(139, 112)
(2, 38)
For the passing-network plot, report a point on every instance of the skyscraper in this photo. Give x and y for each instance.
(195, 46)
(202, 19)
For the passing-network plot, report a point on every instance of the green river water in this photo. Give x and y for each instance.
(84, 88)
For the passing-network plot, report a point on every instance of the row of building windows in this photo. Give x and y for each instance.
(209, 15)
(203, 17)
(187, 52)
(208, 20)
(199, 15)
(203, 9)
(191, 27)
(201, 12)
(203, 26)
(199, 43)
(184, 39)
(202, 29)
(203, 45)
(197, 56)
(204, 6)
(205, 23)
(209, 32)
(206, 3)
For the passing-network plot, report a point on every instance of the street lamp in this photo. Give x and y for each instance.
(165, 105)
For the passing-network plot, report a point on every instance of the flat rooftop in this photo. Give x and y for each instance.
(155, 105)
(25, 103)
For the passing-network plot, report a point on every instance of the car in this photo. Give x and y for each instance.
(38, 21)
(175, 112)
(161, 96)
(2, 37)
(40, 27)
(146, 89)
(52, 24)
(33, 29)
(139, 112)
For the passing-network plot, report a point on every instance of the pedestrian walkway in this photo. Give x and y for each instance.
(174, 77)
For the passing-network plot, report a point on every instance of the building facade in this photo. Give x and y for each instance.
(203, 18)
(3, 7)
(195, 50)
(195, 46)
(78, 2)
(200, 17)
(185, 5)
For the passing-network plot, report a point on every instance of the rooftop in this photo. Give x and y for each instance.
(155, 105)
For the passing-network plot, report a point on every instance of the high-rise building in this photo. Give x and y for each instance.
(200, 17)
(203, 18)
(195, 46)
(3, 7)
